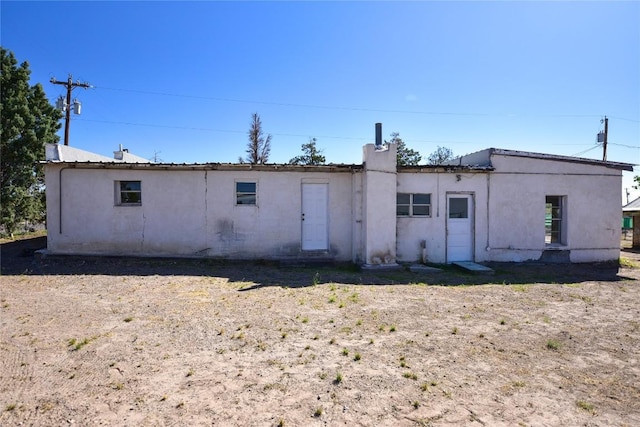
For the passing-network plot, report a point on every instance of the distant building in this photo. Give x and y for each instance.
(632, 212)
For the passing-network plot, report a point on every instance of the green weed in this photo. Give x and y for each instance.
(410, 375)
(554, 345)
(585, 406)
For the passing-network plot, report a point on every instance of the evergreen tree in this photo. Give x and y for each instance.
(406, 156)
(259, 147)
(311, 155)
(28, 122)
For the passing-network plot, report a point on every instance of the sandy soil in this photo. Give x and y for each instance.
(91, 341)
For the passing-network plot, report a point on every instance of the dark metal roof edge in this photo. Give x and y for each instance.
(561, 158)
(210, 166)
(444, 168)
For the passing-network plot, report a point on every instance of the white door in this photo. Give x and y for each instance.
(314, 217)
(459, 227)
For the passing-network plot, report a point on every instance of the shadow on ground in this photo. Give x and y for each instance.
(18, 258)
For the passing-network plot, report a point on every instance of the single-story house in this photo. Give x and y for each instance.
(493, 205)
(632, 210)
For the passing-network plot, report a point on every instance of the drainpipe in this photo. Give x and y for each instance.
(488, 247)
(60, 197)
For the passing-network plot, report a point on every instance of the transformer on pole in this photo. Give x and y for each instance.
(64, 104)
(602, 137)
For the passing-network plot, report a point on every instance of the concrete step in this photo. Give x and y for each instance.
(473, 267)
(421, 268)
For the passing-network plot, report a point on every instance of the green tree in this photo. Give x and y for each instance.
(28, 122)
(440, 156)
(405, 156)
(259, 146)
(637, 180)
(311, 155)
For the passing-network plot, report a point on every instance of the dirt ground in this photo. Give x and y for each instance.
(111, 341)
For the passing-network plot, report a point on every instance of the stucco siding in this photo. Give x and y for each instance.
(193, 210)
(379, 205)
(191, 213)
(431, 232)
(517, 210)
(503, 163)
(168, 221)
(273, 227)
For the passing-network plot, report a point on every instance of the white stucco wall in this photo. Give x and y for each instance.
(509, 214)
(411, 232)
(273, 227)
(379, 205)
(191, 213)
(517, 209)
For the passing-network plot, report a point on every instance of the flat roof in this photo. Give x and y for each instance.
(208, 166)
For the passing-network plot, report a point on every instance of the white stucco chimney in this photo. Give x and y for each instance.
(379, 200)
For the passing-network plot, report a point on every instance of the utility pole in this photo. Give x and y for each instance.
(65, 104)
(604, 141)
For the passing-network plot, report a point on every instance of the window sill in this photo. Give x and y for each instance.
(555, 246)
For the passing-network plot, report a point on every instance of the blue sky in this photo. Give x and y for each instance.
(180, 80)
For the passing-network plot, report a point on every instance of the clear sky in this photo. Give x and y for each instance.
(180, 80)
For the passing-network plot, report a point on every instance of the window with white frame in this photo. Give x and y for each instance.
(128, 193)
(413, 205)
(554, 221)
(246, 193)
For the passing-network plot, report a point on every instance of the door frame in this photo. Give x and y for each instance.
(470, 195)
(302, 216)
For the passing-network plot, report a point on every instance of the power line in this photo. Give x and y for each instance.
(357, 138)
(285, 104)
(213, 129)
(637, 147)
(623, 118)
(343, 108)
(586, 151)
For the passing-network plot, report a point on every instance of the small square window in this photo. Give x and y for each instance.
(403, 204)
(246, 193)
(458, 207)
(421, 204)
(413, 205)
(128, 193)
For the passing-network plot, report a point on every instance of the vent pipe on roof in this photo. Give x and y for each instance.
(378, 136)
